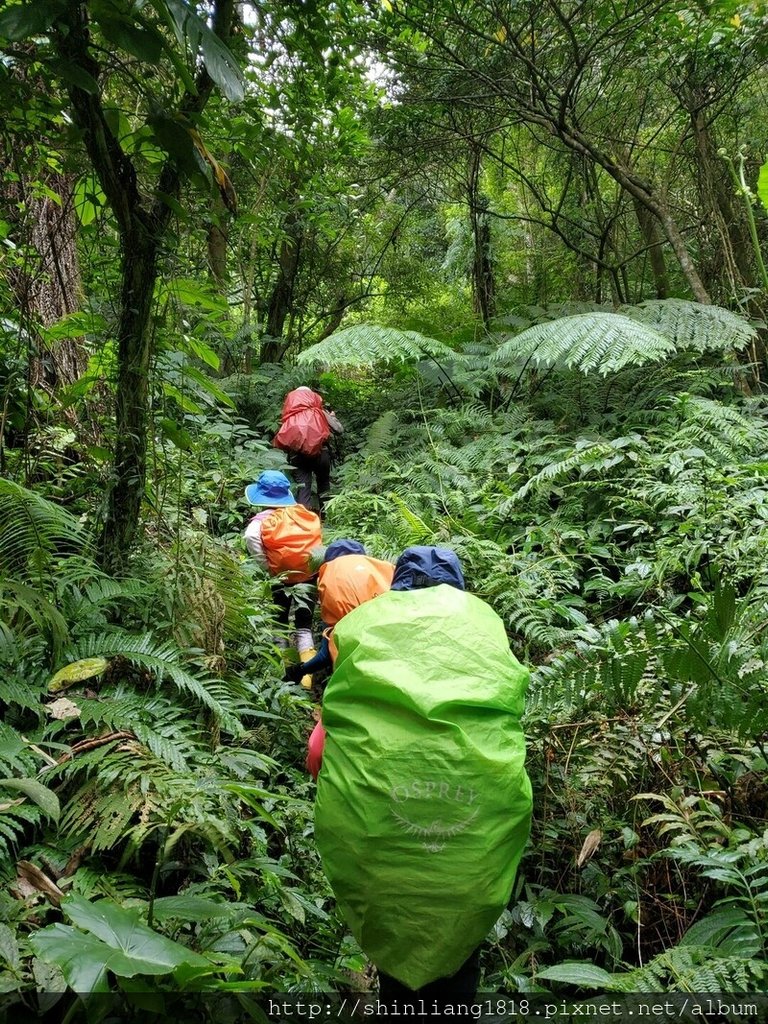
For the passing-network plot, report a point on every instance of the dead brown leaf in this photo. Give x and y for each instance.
(32, 874)
(588, 850)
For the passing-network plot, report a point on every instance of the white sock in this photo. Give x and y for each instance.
(304, 641)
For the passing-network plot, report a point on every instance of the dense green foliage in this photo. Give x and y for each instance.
(499, 307)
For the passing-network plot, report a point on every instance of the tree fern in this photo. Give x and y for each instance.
(608, 342)
(692, 326)
(162, 726)
(381, 433)
(684, 968)
(587, 457)
(366, 344)
(605, 342)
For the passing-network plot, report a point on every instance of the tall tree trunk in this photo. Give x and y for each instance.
(47, 285)
(483, 281)
(139, 274)
(218, 238)
(248, 278)
(143, 228)
(281, 300)
(649, 229)
(731, 267)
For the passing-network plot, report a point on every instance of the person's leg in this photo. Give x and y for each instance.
(393, 992)
(456, 991)
(459, 989)
(302, 471)
(282, 599)
(323, 478)
(302, 616)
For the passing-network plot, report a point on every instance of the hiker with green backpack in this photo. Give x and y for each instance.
(282, 539)
(423, 803)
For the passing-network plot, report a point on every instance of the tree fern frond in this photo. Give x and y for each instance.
(366, 344)
(691, 326)
(605, 342)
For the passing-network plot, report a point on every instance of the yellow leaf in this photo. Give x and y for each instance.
(226, 189)
(386, 5)
(501, 33)
(76, 673)
(736, 21)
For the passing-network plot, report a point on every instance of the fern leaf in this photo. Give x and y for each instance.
(605, 342)
(366, 344)
(692, 326)
(32, 529)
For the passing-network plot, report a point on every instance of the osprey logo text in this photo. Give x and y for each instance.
(456, 811)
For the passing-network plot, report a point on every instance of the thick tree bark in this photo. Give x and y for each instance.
(143, 227)
(483, 281)
(47, 285)
(281, 300)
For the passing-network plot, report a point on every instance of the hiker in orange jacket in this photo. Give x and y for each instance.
(347, 578)
(305, 427)
(282, 545)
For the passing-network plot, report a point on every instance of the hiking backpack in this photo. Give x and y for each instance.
(289, 535)
(349, 581)
(303, 426)
(423, 803)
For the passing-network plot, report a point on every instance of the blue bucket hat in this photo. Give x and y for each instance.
(337, 548)
(272, 488)
(422, 566)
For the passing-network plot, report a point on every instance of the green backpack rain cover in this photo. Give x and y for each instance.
(423, 803)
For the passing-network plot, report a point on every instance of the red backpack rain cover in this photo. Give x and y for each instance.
(303, 427)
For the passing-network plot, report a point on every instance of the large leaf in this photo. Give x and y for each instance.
(116, 942)
(194, 908)
(208, 386)
(692, 326)
(21, 20)
(222, 66)
(605, 342)
(731, 931)
(585, 975)
(366, 344)
(219, 62)
(78, 671)
(762, 185)
(45, 798)
(143, 41)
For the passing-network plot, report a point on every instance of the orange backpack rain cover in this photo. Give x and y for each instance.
(304, 427)
(349, 581)
(288, 537)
